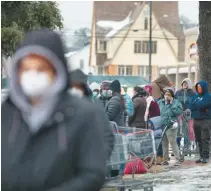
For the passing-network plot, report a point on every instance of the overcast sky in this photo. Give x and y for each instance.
(77, 14)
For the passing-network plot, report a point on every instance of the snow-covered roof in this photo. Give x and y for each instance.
(115, 26)
(69, 54)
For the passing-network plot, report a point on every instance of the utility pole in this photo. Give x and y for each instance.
(150, 41)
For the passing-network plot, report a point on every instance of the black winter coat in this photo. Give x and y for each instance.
(115, 110)
(68, 153)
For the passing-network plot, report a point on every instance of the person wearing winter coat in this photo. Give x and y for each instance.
(139, 104)
(200, 106)
(128, 103)
(95, 88)
(184, 96)
(51, 140)
(170, 109)
(158, 87)
(79, 86)
(105, 93)
(115, 107)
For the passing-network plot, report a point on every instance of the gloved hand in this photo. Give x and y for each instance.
(187, 114)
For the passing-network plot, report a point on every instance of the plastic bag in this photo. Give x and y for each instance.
(136, 167)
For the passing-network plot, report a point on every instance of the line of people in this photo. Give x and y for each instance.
(176, 109)
(55, 131)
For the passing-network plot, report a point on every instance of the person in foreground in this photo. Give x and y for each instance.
(51, 141)
(170, 109)
(200, 107)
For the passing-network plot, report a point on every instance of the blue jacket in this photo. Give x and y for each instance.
(128, 105)
(200, 104)
(185, 96)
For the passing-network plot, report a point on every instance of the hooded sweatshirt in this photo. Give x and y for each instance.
(185, 95)
(78, 77)
(60, 148)
(158, 85)
(200, 104)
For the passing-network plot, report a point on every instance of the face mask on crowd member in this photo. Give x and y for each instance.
(36, 75)
(95, 93)
(106, 93)
(76, 92)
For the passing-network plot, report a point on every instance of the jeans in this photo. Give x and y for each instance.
(170, 137)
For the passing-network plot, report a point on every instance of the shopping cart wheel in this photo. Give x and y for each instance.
(148, 189)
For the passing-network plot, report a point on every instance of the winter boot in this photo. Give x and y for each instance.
(204, 161)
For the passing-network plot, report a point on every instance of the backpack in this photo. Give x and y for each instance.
(128, 105)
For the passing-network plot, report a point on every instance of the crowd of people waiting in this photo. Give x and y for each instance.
(175, 108)
(55, 131)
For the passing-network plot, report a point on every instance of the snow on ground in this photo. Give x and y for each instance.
(192, 179)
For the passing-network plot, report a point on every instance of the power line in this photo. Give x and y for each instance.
(126, 37)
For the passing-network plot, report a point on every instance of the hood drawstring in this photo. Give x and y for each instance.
(14, 129)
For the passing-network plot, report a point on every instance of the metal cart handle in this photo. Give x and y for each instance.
(114, 126)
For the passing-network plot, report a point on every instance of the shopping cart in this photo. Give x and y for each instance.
(130, 142)
(188, 144)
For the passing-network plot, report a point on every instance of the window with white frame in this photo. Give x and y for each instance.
(81, 64)
(154, 47)
(145, 47)
(102, 46)
(121, 70)
(129, 70)
(137, 46)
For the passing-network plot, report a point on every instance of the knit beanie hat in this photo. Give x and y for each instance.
(148, 88)
(115, 86)
(170, 91)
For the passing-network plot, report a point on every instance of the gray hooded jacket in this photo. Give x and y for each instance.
(60, 145)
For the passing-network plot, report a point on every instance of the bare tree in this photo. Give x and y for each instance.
(204, 41)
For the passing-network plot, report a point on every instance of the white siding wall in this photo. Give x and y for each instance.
(76, 59)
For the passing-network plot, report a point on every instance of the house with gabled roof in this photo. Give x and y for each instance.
(120, 33)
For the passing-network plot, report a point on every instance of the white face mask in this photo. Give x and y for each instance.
(76, 92)
(34, 84)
